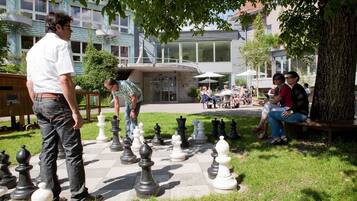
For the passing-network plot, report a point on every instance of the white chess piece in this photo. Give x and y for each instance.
(177, 153)
(3, 190)
(200, 137)
(42, 194)
(136, 141)
(141, 128)
(224, 179)
(194, 133)
(101, 124)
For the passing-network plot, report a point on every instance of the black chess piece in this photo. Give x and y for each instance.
(61, 154)
(234, 134)
(213, 170)
(128, 157)
(222, 129)
(7, 179)
(25, 187)
(215, 124)
(116, 145)
(181, 130)
(147, 186)
(157, 138)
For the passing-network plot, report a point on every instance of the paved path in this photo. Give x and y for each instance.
(107, 176)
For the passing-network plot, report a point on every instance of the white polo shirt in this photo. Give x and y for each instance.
(46, 61)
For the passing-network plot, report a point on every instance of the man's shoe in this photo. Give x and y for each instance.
(94, 198)
(257, 129)
(284, 140)
(275, 141)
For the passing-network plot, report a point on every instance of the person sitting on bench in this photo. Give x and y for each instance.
(297, 113)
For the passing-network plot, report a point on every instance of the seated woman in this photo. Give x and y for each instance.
(296, 113)
(279, 101)
(207, 96)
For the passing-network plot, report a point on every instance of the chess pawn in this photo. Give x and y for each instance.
(177, 153)
(215, 124)
(224, 179)
(128, 156)
(42, 194)
(136, 141)
(201, 137)
(222, 129)
(157, 138)
(213, 170)
(116, 145)
(101, 124)
(234, 134)
(181, 130)
(25, 187)
(147, 186)
(7, 179)
(3, 191)
(195, 131)
(142, 132)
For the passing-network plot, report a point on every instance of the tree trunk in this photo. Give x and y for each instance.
(336, 70)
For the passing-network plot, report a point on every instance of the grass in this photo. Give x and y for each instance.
(300, 171)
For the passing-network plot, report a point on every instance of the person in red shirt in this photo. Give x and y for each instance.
(279, 102)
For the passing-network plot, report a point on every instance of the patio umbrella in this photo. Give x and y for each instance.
(209, 75)
(207, 80)
(249, 73)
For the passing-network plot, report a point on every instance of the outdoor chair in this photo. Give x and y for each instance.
(226, 101)
(205, 100)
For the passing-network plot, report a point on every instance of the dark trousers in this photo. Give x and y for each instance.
(55, 119)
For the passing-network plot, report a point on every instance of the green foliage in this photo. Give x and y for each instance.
(256, 51)
(3, 45)
(194, 93)
(98, 66)
(240, 82)
(16, 64)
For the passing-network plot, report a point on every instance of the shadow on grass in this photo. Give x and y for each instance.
(16, 136)
(309, 194)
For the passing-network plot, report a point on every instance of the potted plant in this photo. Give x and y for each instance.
(194, 93)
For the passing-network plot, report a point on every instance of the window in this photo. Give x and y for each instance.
(120, 24)
(2, 6)
(79, 49)
(223, 51)
(37, 9)
(205, 52)
(172, 52)
(188, 52)
(281, 64)
(87, 18)
(27, 42)
(122, 52)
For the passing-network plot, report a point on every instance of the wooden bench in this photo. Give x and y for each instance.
(328, 126)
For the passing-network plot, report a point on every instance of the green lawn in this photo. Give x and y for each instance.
(299, 171)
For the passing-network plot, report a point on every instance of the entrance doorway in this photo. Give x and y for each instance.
(163, 88)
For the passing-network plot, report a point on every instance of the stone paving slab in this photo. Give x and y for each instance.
(107, 176)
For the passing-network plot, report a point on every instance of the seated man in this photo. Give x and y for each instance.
(297, 113)
(226, 94)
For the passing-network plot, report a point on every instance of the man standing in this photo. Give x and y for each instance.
(49, 82)
(133, 99)
(296, 113)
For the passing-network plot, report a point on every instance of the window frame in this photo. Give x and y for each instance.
(119, 56)
(118, 27)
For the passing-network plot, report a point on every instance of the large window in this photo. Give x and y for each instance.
(188, 52)
(37, 9)
(223, 51)
(205, 52)
(281, 64)
(121, 24)
(79, 48)
(172, 52)
(122, 52)
(87, 18)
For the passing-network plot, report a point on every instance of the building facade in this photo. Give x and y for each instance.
(89, 25)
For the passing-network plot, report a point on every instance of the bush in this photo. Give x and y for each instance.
(194, 93)
(98, 66)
